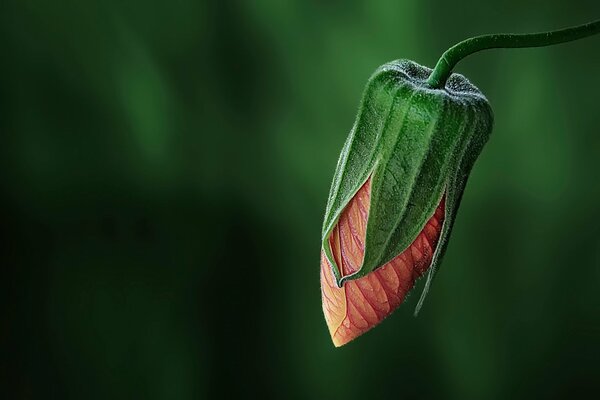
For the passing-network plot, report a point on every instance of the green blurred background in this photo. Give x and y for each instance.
(165, 167)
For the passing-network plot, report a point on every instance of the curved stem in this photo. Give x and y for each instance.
(454, 54)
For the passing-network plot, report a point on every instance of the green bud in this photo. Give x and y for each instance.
(417, 144)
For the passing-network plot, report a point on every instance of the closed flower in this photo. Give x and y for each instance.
(395, 192)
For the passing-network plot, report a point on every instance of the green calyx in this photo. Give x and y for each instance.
(417, 144)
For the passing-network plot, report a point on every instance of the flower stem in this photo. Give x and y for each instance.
(454, 54)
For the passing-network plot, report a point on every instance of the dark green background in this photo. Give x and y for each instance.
(164, 172)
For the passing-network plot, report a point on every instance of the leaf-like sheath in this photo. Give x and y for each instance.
(416, 144)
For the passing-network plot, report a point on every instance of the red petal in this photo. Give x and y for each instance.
(362, 303)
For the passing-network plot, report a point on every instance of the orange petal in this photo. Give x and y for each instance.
(362, 303)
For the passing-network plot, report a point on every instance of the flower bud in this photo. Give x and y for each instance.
(395, 192)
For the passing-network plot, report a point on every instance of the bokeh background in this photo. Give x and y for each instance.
(164, 172)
